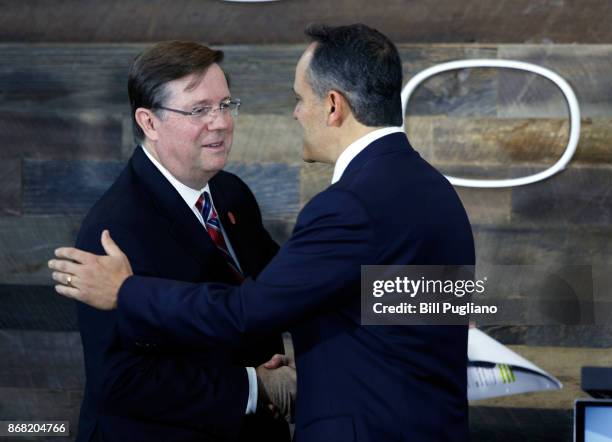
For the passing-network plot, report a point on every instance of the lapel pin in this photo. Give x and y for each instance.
(231, 217)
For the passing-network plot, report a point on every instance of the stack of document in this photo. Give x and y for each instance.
(495, 370)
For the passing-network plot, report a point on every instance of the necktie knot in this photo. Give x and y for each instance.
(204, 205)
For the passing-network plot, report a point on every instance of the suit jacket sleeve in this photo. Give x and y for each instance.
(151, 383)
(318, 266)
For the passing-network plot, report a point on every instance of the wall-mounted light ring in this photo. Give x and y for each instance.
(568, 93)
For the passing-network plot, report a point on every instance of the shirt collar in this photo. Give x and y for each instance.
(357, 146)
(189, 195)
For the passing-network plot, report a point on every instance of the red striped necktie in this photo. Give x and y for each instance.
(213, 227)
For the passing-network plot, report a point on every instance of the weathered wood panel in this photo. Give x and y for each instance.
(41, 360)
(513, 141)
(57, 78)
(72, 187)
(27, 243)
(486, 206)
(276, 186)
(502, 424)
(36, 135)
(314, 178)
(444, 141)
(10, 187)
(36, 307)
(284, 21)
(578, 195)
(262, 76)
(551, 244)
(81, 78)
(41, 404)
(592, 336)
(57, 187)
(466, 93)
(267, 139)
(420, 135)
(526, 96)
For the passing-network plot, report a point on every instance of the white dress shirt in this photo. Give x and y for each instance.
(191, 196)
(357, 146)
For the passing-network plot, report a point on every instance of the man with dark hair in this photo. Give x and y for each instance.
(385, 206)
(363, 64)
(177, 215)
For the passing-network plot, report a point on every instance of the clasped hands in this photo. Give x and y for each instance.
(277, 387)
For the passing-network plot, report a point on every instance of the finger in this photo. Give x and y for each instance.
(288, 345)
(62, 278)
(274, 411)
(110, 247)
(69, 292)
(74, 254)
(275, 361)
(64, 266)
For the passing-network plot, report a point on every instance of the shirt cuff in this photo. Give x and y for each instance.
(252, 403)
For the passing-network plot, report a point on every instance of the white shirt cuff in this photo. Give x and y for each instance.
(252, 403)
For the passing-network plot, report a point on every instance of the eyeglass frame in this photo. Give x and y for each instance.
(211, 111)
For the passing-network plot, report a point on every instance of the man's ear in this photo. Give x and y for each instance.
(147, 120)
(338, 108)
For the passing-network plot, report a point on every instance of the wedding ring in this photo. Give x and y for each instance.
(69, 280)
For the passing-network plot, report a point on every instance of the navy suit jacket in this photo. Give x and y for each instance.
(140, 392)
(362, 383)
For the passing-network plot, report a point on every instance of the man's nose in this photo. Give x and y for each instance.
(220, 120)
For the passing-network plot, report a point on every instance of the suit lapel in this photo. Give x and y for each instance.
(183, 225)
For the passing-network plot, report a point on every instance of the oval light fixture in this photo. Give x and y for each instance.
(568, 93)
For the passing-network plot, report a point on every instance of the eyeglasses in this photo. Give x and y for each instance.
(206, 114)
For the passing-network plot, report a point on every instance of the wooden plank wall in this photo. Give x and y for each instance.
(65, 125)
(216, 21)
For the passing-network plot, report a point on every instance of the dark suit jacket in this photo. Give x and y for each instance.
(355, 383)
(141, 392)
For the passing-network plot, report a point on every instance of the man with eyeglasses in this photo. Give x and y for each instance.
(177, 215)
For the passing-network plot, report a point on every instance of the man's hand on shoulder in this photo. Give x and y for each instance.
(89, 278)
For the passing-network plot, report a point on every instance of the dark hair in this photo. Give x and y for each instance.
(160, 64)
(364, 66)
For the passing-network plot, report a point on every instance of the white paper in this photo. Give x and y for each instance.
(495, 370)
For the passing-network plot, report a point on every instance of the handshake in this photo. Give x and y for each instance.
(277, 388)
